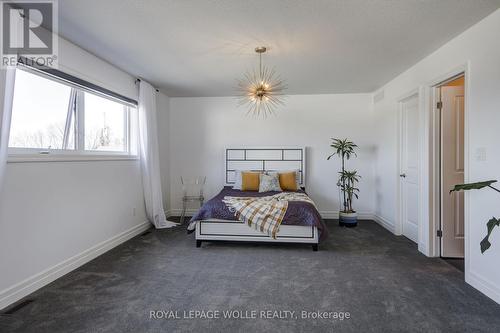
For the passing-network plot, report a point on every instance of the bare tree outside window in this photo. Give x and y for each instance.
(39, 112)
(105, 124)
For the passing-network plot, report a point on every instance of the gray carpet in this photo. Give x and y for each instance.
(380, 279)
(457, 263)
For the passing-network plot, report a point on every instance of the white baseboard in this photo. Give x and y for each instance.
(35, 282)
(384, 223)
(483, 285)
(334, 214)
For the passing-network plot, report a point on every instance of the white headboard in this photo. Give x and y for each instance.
(265, 159)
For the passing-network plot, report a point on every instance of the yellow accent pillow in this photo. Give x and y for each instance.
(288, 181)
(250, 181)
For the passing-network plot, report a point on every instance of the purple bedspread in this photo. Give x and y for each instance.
(297, 213)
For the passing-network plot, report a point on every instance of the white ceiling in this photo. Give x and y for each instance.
(200, 47)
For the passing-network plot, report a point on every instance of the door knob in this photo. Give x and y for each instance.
(403, 175)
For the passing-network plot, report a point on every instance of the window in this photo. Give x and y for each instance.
(105, 124)
(39, 112)
(50, 116)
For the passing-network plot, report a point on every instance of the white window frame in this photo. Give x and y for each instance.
(19, 155)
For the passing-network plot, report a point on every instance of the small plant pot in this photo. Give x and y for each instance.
(349, 220)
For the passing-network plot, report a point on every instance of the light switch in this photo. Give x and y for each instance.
(481, 154)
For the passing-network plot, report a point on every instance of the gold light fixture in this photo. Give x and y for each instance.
(262, 91)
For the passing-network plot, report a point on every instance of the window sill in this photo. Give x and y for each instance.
(39, 158)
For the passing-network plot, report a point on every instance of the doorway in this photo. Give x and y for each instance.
(450, 106)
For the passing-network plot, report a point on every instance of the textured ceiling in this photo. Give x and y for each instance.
(200, 47)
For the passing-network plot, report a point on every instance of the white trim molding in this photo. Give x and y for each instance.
(37, 281)
(385, 223)
(485, 286)
(432, 208)
(329, 214)
(432, 248)
(39, 158)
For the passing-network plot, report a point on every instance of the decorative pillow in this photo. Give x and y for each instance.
(250, 181)
(288, 181)
(269, 182)
(237, 180)
(297, 176)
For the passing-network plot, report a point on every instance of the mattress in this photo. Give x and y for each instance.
(298, 212)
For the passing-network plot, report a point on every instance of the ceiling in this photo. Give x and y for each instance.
(200, 47)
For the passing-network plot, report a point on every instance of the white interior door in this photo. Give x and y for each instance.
(452, 171)
(409, 187)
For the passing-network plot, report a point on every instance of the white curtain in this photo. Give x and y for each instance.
(149, 153)
(7, 78)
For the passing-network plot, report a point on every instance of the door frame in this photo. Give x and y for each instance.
(438, 93)
(398, 228)
(434, 155)
(429, 168)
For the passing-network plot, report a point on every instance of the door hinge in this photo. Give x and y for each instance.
(439, 105)
(440, 233)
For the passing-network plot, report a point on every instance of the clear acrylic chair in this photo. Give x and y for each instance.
(192, 189)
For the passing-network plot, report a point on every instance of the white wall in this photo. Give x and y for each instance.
(200, 129)
(80, 63)
(479, 45)
(55, 216)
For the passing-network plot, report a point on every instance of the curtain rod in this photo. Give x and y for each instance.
(139, 80)
(65, 77)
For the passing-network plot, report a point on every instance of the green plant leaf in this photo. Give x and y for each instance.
(485, 244)
(492, 223)
(472, 186)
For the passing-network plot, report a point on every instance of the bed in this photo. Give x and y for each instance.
(301, 223)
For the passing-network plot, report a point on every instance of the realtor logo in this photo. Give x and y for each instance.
(29, 32)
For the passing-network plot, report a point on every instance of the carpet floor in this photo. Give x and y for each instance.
(380, 280)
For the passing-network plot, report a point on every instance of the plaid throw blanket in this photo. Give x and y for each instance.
(264, 213)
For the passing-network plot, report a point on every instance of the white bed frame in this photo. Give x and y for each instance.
(259, 159)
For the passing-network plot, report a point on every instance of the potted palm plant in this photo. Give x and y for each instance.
(347, 181)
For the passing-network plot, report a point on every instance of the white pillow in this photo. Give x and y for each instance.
(237, 180)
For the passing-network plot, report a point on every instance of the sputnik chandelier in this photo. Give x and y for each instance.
(261, 91)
